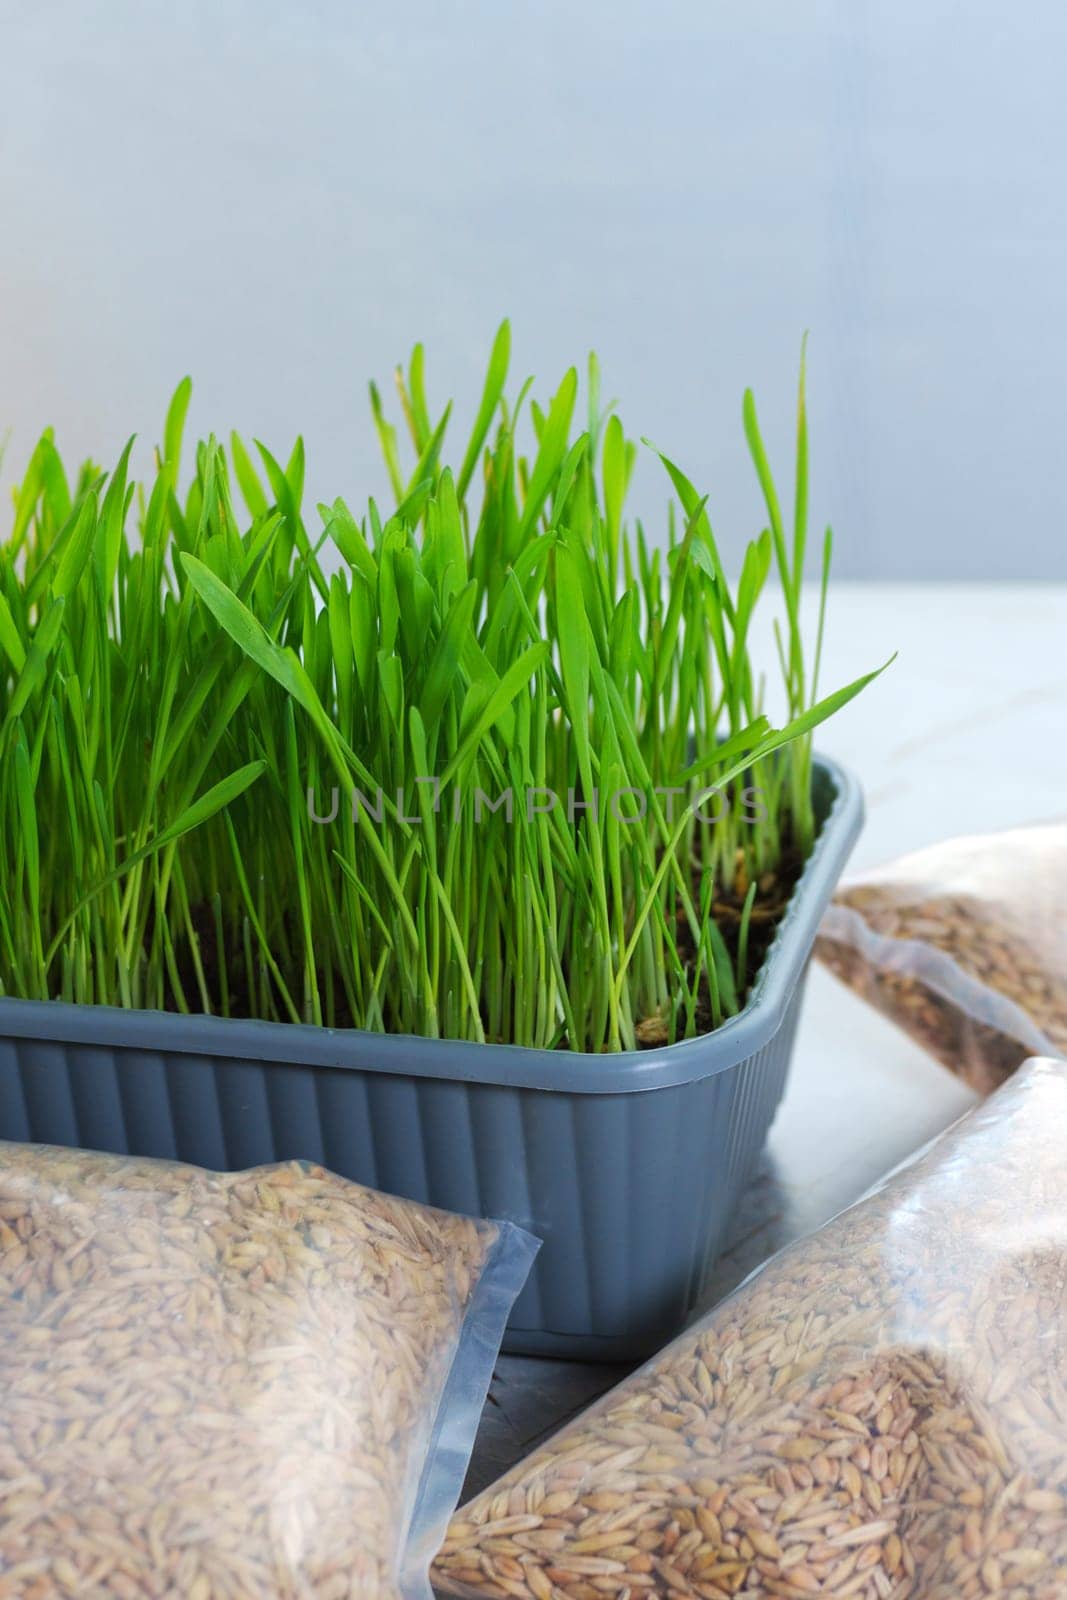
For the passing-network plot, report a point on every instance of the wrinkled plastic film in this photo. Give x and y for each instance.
(880, 1411)
(233, 1386)
(964, 945)
(459, 1409)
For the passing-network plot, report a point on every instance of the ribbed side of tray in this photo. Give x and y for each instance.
(654, 1179)
(631, 1193)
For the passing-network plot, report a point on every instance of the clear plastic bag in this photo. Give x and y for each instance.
(227, 1386)
(880, 1411)
(964, 945)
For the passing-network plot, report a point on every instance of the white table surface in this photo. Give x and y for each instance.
(966, 732)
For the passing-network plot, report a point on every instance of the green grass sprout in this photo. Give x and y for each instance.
(446, 768)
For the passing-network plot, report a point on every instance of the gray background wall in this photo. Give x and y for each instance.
(281, 198)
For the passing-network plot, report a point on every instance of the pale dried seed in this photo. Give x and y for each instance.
(994, 908)
(895, 1463)
(212, 1386)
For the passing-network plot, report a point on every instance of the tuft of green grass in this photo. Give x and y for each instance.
(507, 700)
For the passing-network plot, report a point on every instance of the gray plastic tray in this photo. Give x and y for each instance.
(627, 1166)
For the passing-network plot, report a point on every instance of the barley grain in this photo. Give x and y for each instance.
(234, 1399)
(963, 946)
(896, 1462)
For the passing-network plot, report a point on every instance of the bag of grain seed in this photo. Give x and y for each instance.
(879, 1412)
(964, 945)
(234, 1386)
